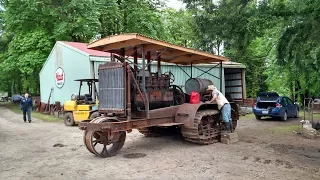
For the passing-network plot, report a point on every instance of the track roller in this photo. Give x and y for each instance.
(206, 128)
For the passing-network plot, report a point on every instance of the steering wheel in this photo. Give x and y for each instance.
(171, 76)
(178, 95)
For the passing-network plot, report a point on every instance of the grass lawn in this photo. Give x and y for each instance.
(315, 116)
(286, 129)
(15, 108)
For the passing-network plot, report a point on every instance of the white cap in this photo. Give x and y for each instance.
(210, 88)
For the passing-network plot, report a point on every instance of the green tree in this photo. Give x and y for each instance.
(179, 27)
(30, 28)
(299, 47)
(237, 25)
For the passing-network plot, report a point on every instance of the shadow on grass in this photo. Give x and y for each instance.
(16, 109)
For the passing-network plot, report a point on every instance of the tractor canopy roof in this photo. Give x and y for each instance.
(170, 53)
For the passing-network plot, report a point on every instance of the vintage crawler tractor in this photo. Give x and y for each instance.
(133, 97)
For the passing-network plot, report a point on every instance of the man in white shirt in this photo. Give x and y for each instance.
(223, 105)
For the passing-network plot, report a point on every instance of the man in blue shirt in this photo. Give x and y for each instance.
(26, 106)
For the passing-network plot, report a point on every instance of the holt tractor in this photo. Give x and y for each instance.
(131, 96)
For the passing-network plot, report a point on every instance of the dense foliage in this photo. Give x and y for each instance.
(30, 28)
(277, 40)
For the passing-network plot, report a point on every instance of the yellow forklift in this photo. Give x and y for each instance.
(82, 107)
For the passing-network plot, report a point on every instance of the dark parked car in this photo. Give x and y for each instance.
(272, 105)
(16, 98)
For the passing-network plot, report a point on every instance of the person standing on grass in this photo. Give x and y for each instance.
(26, 106)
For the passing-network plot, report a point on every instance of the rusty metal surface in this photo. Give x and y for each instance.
(109, 65)
(186, 113)
(104, 143)
(167, 112)
(316, 107)
(42, 107)
(123, 125)
(206, 127)
(128, 91)
(169, 124)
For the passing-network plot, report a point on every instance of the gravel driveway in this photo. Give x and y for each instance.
(44, 150)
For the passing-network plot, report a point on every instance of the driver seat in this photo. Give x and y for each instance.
(88, 99)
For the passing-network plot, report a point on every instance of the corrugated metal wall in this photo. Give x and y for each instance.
(234, 83)
(96, 66)
(181, 77)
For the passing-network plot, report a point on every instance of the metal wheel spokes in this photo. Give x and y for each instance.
(98, 143)
(95, 120)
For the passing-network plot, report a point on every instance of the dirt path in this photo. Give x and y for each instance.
(27, 152)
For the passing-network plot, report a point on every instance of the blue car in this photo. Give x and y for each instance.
(270, 104)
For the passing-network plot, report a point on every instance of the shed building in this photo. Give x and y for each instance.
(69, 61)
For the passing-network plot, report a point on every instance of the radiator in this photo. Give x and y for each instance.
(111, 88)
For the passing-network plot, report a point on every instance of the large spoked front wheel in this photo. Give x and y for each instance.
(102, 144)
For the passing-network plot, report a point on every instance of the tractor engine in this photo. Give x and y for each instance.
(157, 89)
(115, 93)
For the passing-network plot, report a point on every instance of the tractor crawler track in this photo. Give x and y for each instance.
(202, 132)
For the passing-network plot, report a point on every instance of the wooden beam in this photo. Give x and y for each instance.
(186, 58)
(127, 40)
(172, 46)
(123, 44)
(153, 47)
(111, 39)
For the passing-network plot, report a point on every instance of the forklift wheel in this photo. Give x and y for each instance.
(94, 115)
(68, 119)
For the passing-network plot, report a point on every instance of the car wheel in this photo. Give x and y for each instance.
(68, 119)
(285, 116)
(258, 117)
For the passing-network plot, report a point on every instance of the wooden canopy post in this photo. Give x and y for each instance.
(112, 57)
(144, 82)
(159, 64)
(149, 60)
(191, 71)
(221, 77)
(122, 54)
(135, 59)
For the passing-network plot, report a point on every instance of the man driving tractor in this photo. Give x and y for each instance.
(223, 105)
